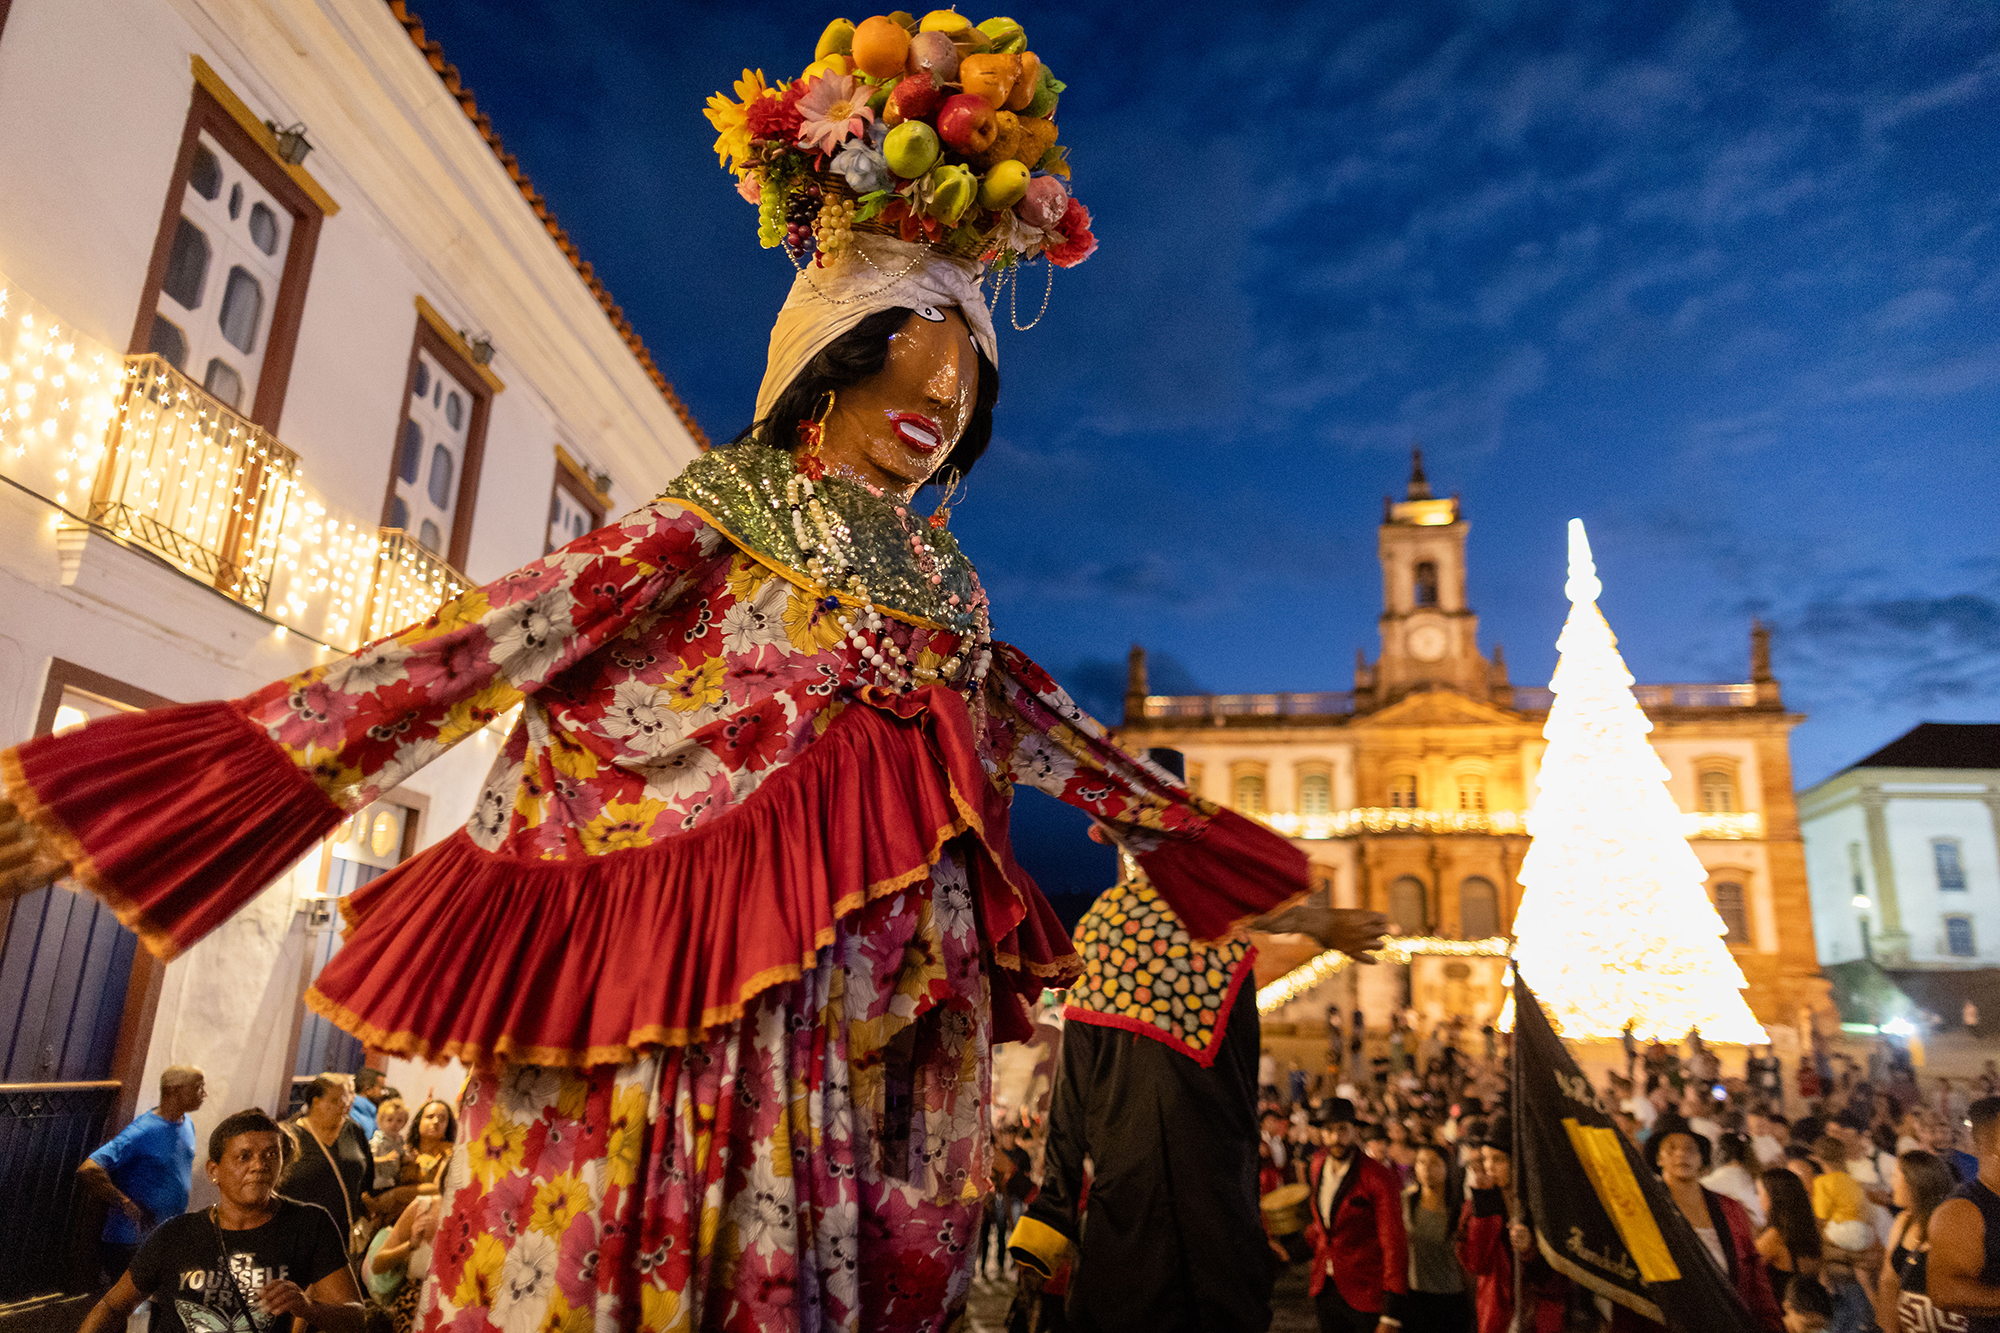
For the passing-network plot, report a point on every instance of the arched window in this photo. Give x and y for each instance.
(1426, 584)
(1403, 791)
(1250, 793)
(1471, 792)
(1315, 794)
(1958, 937)
(1729, 905)
(1950, 869)
(1478, 908)
(1718, 792)
(1409, 906)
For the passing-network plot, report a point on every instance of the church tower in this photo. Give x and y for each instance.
(1429, 636)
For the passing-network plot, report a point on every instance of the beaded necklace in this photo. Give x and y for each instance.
(827, 543)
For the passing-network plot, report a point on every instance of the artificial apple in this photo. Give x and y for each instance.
(917, 95)
(934, 53)
(1004, 186)
(838, 39)
(1027, 84)
(990, 77)
(948, 192)
(966, 122)
(1005, 36)
(1043, 203)
(911, 149)
(879, 47)
(1048, 88)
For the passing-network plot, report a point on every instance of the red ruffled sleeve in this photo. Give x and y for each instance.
(1216, 869)
(180, 816)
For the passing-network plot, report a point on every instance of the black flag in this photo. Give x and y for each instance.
(1600, 1217)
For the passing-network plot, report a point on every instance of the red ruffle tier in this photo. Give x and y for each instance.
(459, 952)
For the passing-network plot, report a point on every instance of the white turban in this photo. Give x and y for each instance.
(873, 273)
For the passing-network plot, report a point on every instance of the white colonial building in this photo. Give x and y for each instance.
(1903, 853)
(290, 349)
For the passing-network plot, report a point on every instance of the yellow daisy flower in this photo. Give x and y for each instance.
(660, 1311)
(695, 687)
(623, 826)
(812, 626)
(732, 119)
(628, 1131)
(498, 1151)
(479, 1282)
(557, 1203)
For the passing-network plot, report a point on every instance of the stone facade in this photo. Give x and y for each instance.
(1408, 793)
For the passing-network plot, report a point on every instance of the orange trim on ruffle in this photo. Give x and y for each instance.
(15, 785)
(481, 956)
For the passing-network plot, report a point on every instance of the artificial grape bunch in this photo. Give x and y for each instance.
(801, 208)
(770, 212)
(834, 227)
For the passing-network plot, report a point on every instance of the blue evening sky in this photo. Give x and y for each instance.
(1721, 280)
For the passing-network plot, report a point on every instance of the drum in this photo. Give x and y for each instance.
(1285, 1210)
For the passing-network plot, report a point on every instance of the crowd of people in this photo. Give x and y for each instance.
(356, 1173)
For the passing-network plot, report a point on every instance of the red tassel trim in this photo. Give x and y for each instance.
(176, 817)
(459, 952)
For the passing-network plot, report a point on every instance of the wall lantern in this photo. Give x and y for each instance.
(291, 145)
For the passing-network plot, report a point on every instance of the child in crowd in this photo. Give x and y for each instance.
(1808, 1306)
(1838, 1202)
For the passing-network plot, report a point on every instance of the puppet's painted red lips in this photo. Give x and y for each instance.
(916, 430)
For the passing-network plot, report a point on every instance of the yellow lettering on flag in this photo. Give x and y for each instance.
(1603, 1158)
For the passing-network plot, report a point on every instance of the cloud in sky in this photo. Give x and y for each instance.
(1723, 280)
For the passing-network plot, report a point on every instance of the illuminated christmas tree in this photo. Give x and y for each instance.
(1615, 923)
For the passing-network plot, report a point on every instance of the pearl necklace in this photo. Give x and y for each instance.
(830, 563)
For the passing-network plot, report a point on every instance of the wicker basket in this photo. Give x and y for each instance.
(834, 184)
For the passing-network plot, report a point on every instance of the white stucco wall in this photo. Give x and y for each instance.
(94, 95)
(1829, 872)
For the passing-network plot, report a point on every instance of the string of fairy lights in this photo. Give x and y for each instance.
(1395, 949)
(130, 447)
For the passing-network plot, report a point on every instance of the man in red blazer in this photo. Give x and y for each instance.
(1361, 1257)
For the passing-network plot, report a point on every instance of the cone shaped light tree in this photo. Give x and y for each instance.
(1615, 923)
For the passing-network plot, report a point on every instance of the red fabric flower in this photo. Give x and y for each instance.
(777, 118)
(753, 738)
(1077, 244)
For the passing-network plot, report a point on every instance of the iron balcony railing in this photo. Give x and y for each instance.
(1381, 819)
(1340, 703)
(1318, 703)
(193, 481)
(410, 584)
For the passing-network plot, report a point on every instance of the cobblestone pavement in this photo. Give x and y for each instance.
(1291, 1309)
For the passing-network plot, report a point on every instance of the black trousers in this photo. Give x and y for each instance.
(1437, 1312)
(1337, 1316)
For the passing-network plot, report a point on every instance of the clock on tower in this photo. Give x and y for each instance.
(1429, 636)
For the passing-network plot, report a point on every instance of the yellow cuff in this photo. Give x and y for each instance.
(1038, 1245)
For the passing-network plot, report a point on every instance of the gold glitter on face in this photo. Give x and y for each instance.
(894, 429)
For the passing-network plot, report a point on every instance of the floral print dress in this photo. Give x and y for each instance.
(728, 935)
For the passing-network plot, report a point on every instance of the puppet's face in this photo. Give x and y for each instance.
(895, 428)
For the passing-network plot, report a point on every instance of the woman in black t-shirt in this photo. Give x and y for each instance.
(331, 1161)
(254, 1263)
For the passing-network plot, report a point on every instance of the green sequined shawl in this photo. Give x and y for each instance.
(741, 492)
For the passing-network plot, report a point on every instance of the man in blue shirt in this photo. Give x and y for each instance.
(367, 1087)
(145, 1172)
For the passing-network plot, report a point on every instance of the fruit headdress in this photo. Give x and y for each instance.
(910, 158)
(933, 131)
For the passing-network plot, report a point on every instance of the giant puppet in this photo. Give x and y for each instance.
(732, 928)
